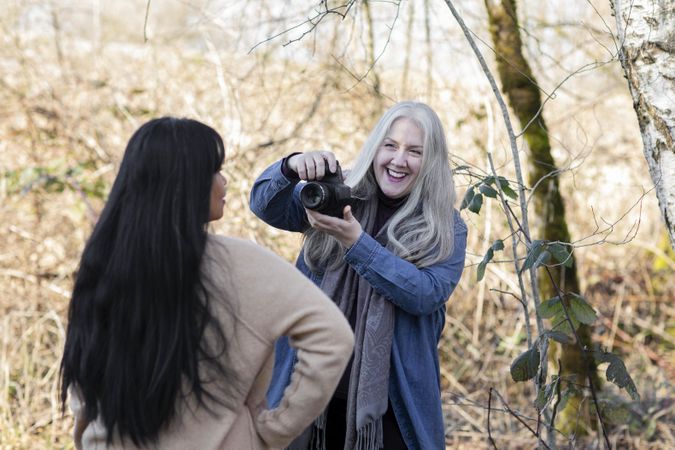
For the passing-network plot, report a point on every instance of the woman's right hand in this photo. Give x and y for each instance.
(311, 165)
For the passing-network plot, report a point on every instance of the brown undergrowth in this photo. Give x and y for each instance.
(68, 107)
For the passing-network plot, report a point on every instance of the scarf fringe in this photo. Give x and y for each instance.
(318, 441)
(370, 436)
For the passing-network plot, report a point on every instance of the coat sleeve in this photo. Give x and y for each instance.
(280, 301)
(416, 291)
(275, 199)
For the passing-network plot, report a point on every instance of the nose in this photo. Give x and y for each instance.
(399, 158)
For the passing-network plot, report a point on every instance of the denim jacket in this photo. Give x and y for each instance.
(418, 294)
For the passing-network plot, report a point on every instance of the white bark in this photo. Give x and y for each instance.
(646, 34)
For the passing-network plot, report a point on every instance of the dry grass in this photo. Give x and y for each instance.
(76, 109)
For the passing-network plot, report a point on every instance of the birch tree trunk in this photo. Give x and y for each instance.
(646, 35)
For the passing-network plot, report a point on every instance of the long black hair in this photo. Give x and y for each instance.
(139, 311)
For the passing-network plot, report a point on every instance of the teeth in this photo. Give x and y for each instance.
(395, 174)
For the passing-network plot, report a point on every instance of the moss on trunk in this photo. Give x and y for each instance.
(520, 87)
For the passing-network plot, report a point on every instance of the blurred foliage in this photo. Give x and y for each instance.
(56, 179)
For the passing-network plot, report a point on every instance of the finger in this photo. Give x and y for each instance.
(311, 168)
(347, 213)
(317, 217)
(332, 161)
(292, 162)
(324, 222)
(314, 216)
(320, 166)
(318, 221)
(301, 167)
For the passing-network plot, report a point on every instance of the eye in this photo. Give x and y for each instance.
(416, 151)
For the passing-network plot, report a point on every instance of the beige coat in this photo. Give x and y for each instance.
(269, 299)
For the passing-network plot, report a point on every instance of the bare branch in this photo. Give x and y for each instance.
(145, 22)
(313, 21)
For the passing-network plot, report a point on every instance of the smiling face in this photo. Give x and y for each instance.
(218, 191)
(398, 160)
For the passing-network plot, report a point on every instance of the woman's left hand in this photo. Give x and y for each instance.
(346, 230)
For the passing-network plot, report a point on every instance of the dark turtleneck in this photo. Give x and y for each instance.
(386, 207)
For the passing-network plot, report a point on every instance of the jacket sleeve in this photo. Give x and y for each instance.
(275, 199)
(287, 303)
(416, 291)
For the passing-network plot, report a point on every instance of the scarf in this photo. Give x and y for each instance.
(368, 395)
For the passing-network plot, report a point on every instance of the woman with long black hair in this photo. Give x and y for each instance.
(171, 329)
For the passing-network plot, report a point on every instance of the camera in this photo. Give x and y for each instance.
(328, 196)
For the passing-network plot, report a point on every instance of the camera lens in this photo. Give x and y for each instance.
(313, 195)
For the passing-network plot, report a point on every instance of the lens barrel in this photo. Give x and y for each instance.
(313, 196)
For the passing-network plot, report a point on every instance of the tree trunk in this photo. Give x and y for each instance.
(519, 85)
(646, 34)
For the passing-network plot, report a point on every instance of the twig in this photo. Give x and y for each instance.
(145, 22)
(514, 249)
(517, 416)
(384, 48)
(492, 441)
(311, 20)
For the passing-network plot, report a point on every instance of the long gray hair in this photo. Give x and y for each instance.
(422, 230)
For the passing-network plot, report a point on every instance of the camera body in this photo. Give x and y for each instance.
(328, 196)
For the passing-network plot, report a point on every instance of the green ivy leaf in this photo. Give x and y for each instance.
(525, 366)
(488, 191)
(483, 264)
(546, 393)
(581, 309)
(480, 272)
(559, 336)
(549, 308)
(466, 201)
(506, 187)
(569, 392)
(476, 203)
(560, 322)
(542, 399)
(532, 254)
(496, 246)
(542, 259)
(561, 254)
(509, 192)
(617, 374)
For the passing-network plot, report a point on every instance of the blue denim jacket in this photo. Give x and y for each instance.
(418, 294)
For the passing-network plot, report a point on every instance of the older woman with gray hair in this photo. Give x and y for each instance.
(389, 261)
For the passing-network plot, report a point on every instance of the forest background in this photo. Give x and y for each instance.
(78, 77)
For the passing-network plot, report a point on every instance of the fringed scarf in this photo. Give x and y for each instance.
(368, 396)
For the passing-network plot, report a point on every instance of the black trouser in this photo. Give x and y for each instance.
(336, 427)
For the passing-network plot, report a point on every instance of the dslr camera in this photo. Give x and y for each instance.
(328, 196)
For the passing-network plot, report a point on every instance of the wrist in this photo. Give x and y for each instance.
(287, 170)
(349, 241)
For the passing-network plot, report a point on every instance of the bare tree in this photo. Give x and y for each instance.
(646, 33)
